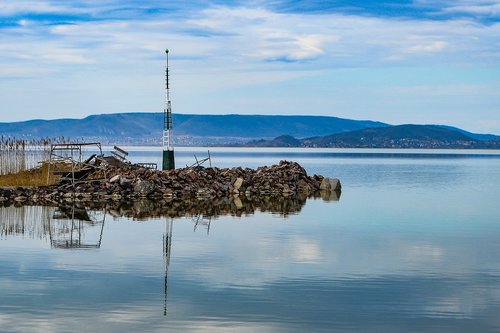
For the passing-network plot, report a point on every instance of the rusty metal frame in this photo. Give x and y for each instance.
(72, 149)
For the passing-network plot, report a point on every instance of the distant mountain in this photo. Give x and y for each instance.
(260, 126)
(280, 141)
(401, 136)
(288, 131)
(140, 125)
(477, 136)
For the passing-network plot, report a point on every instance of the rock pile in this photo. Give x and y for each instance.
(287, 179)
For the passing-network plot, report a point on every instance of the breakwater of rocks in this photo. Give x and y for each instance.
(130, 182)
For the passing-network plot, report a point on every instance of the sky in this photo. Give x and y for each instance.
(400, 62)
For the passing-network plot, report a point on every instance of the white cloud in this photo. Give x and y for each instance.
(428, 47)
(478, 7)
(18, 71)
(231, 38)
(472, 7)
(67, 56)
(291, 48)
(220, 49)
(20, 7)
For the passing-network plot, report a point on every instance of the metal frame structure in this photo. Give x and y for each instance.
(148, 165)
(200, 162)
(69, 153)
(168, 147)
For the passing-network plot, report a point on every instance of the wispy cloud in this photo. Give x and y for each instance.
(426, 47)
(475, 7)
(236, 44)
(8, 8)
(244, 34)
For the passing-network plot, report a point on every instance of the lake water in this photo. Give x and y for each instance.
(412, 244)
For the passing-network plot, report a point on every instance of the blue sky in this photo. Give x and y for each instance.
(417, 61)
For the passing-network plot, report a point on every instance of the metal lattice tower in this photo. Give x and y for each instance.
(168, 148)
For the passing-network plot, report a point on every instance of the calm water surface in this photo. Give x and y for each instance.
(413, 244)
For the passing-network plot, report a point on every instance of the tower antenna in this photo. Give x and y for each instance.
(168, 148)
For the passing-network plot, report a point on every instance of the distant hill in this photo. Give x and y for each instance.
(260, 126)
(477, 136)
(254, 130)
(139, 125)
(280, 141)
(401, 136)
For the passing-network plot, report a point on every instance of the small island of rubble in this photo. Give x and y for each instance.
(125, 181)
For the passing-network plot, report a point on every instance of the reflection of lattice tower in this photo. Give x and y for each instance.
(72, 227)
(168, 147)
(167, 247)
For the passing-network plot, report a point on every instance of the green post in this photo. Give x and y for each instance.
(168, 160)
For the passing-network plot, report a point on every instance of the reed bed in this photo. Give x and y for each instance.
(23, 162)
(32, 177)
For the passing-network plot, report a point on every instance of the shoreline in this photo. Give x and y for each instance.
(129, 182)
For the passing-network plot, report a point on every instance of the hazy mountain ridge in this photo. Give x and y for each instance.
(400, 136)
(252, 130)
(472, 135)
(137, 125)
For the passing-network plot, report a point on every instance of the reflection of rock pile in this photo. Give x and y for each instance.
(148, 208)
(286, 180)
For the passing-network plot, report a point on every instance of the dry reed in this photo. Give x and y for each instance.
(22, 161)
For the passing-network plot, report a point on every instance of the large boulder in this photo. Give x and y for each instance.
(144, 188)
(125, 182)
(330, 184)
(237, 183)
(115, 179)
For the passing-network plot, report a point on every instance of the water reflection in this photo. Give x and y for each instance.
(80, 225)
(142, 209)
(167, 249)
(202, 221)
(405, 250)
(75, 227)
(66, 227)
(29, 221)
(236, 206)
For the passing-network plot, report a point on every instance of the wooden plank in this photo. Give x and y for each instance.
(121, 150)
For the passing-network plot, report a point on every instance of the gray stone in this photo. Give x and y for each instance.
(329, 184)
(125, 182)
(335, 184)
(144, 188)
(115, 179)
(237, 183)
